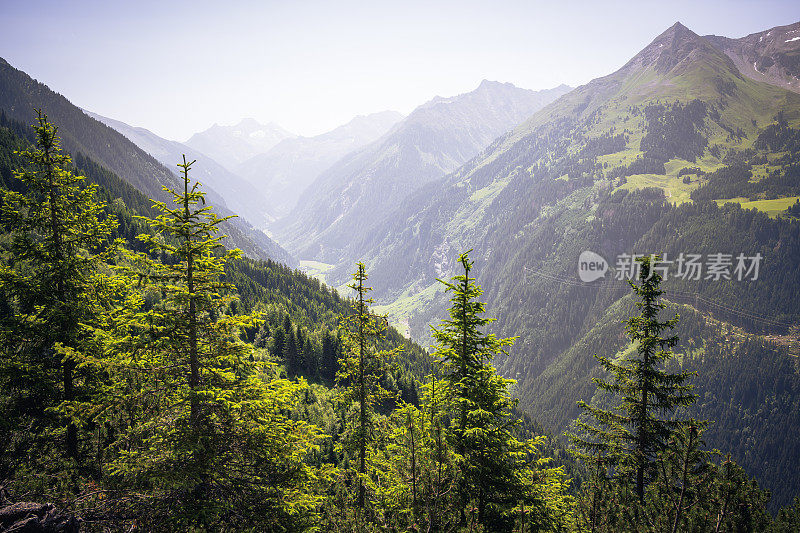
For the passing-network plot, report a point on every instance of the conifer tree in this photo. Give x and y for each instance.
(202, 428)
(279, 343)
(683, 472)
(60, 239)
(498, 471)
(310, 360)
(422, 466)
(328, 358)
(628, 438)
(441, 475)
(362, 366)
(290, 350)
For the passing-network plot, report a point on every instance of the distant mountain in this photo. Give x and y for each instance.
(232, 145)
(678, 108)
(288, 168)
(239, 194)
(661, 156)
(437, 137)
(772, 56)
(20, 95)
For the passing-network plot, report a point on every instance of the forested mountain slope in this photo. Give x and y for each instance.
(20, 94)
(640, 161)
(295, 305)
(339, 209)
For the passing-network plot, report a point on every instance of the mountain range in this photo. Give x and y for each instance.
(676, 152)
(83, 135)
(284, 172)
(239, 194)
(691, 147)
(232, 145)
(337, 211)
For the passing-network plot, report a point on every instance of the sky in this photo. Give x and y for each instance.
(176, 68)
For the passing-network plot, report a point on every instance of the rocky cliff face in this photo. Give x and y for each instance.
(771, 56)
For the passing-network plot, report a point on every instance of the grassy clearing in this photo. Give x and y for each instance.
(675, 190)
(770, 207)
(316, 269)
(407, 304)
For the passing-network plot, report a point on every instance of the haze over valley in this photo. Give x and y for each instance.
(563, 295)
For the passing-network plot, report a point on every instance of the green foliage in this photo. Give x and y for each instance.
(675, 131)
(497, 470)
(184, 421)
(198, 430)
(650, 473)
(689, 493)
(627, 438)
(540, 196)
(362, 367)
(20, 95)
(52, 285)
(788, 518)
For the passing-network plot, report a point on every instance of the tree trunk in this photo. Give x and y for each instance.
(194, 375)
(362, 452)
(67, 366)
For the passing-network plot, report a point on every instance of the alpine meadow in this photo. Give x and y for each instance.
(570, 309)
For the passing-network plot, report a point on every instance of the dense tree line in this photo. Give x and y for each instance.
(650, 468)
(134, 395)
(641, 165)
(675, 130)
(166, 383)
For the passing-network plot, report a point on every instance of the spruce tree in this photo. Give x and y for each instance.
(290, 351)
(498, 470)
(278, 343)
(362, 366)
(203, 437)
(628, 437)
(328, 358)
(683, 473)
(60, 238)
(422, 466)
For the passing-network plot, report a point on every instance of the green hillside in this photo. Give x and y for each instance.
(292, 302)
(635, 162)
(20, 96)
(593, 324)
(173, 381)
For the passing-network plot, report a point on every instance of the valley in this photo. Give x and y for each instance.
(386, 325)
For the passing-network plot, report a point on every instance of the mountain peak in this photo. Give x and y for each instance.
(678, 27)
(232, 145)
(677, 45)
(490, 85)
(249, 122)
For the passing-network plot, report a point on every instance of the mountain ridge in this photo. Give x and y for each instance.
(284, 172)
(664, 142)
(772, 55)
(436, 137)
(20, 95)
(237, 192)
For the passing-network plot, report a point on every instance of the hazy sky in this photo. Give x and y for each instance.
(178, 67)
